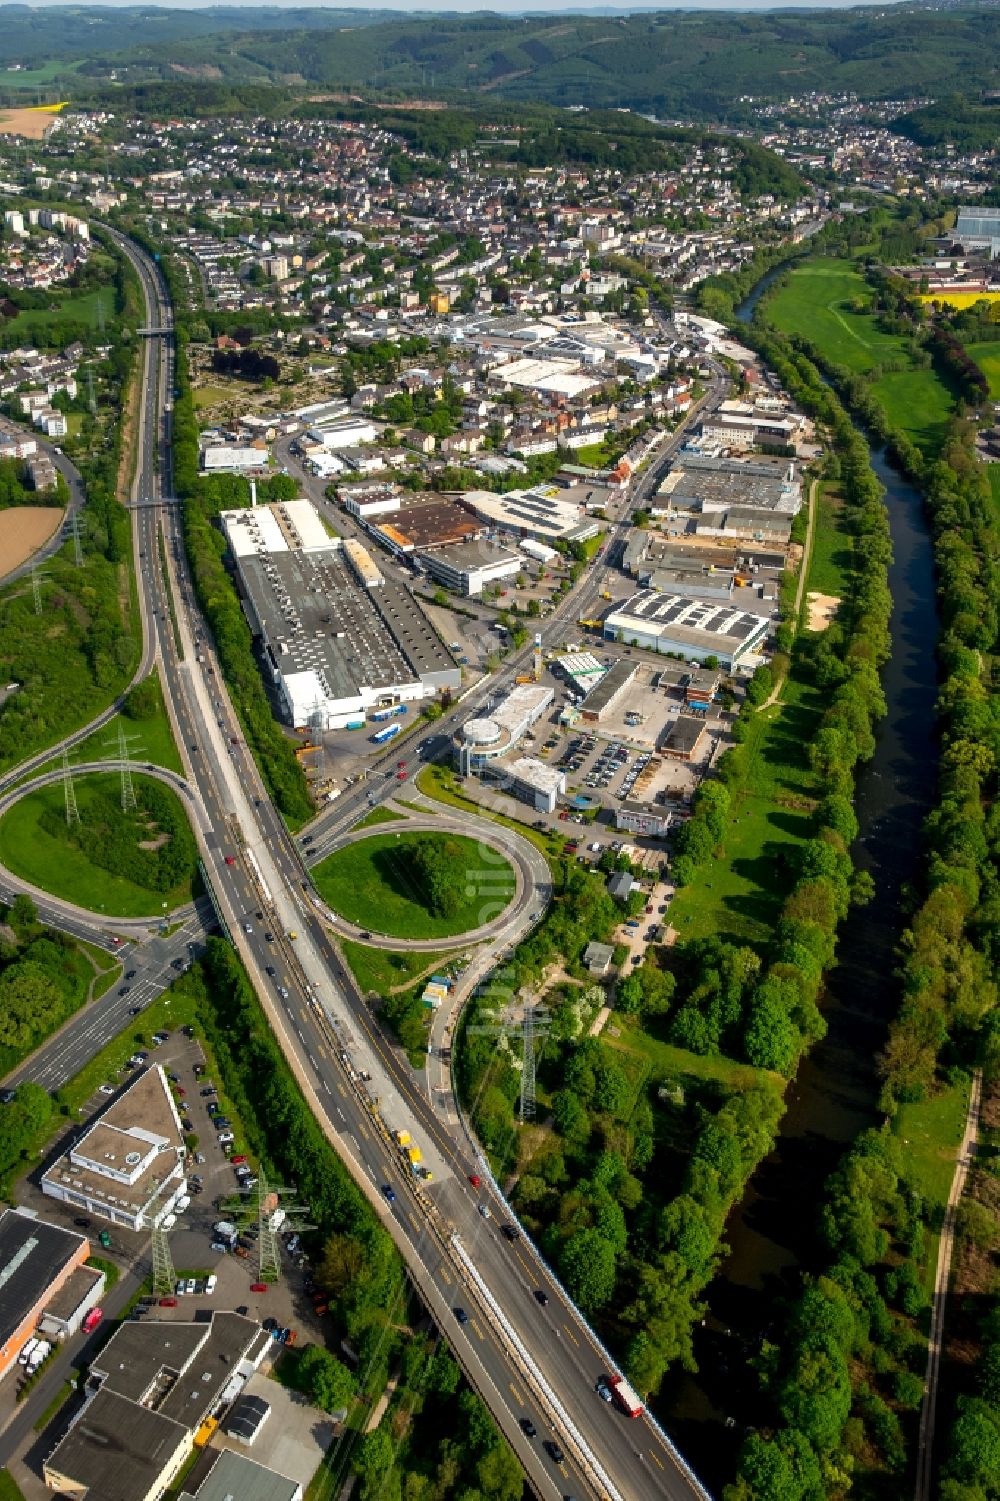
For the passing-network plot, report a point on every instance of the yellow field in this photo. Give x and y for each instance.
(32, 123)
(960, 299)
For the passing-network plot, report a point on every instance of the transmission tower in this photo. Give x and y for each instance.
(164, 1273)
(269, 1207)
(535, 1025)
(531, 1025)
(36, 587)
(69, 792)
(122, 744)
(91, 398)
(74, 527)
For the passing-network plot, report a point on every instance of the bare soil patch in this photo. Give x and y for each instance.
(23, 530)
(822, 608)
(31, 123)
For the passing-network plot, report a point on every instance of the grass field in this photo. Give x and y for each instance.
(86, 308)
(931, 1131)
(831, 555)
(369, 883)
(56, 866)
(378, 815)
(918, 402)
(150, 740)
(210, 396)
(441, 783)
(987, 357)
(739, 896)
(670, 1063)
(592, 456)
(816, 303)
(385, 970)
(993, 470)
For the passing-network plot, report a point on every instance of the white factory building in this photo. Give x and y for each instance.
(538, 514)
(230, 458)
(690, 628)
(336, 637)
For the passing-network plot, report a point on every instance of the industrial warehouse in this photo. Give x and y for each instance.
(689, 628)
(336, 636)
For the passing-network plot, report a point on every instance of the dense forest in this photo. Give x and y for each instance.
(697, 64)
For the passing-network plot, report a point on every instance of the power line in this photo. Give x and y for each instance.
(122, 744)
(36, 587)
(69, 792)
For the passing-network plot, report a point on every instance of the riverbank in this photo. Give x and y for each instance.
(835, 1096)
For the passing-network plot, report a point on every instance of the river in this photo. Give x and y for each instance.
(772, 1232)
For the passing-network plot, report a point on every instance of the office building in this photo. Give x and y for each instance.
(490, 737)
(471, 566)
(127, 1166)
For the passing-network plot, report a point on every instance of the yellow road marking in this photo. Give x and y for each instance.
(518, 1396)
(445, 1277)
(571, 1334)
(659, 1461)
(362, 1131)
(342, 1090)
(478, 1330)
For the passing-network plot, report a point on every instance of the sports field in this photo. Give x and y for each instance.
(818, 303)
(987, 357)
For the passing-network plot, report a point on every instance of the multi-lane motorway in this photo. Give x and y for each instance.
(522, 1344)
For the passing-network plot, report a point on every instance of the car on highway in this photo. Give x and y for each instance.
(541, 1296)
(461, 1315)
(247, 927)
(125, 990)
(389, 1193)
(603, 1389)
(230, 860)
(510, 1232)
(528, 1427)
(269, 969)
(475, 1179)
(553, 1450)
(484, 1210)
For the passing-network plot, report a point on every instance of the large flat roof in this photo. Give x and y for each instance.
(33, 1254)
(236, 1474)
(317, 618)
(696, 621)
(432, 522)
(116, 1450)
(617, 677)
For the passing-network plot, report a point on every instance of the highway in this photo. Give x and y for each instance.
(527, 1359)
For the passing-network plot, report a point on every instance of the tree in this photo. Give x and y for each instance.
(328, 1383)
(437, 873)
(342, 1264)
(23, 912)
(587, 1265)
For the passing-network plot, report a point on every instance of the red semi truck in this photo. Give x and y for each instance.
(626, 1396)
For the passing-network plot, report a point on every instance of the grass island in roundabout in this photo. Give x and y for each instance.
(416, 885)
(136, 864)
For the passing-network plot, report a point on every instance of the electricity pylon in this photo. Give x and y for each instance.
(122, 744)
(164, 1274)
(532, 1025)
(69, 792)
(36, 587)
(74, 527)
(269, 1206)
